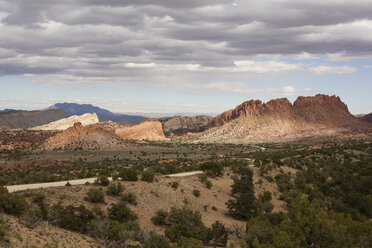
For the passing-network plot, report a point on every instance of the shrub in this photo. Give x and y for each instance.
(95, 196)
(196, 192)
(185, 223)
(129, 197)
(148, 176)
(157, 241)
(114, 189)
(160, 218)
(71, 218)
(3, 229)
(218, 234)
(128, 175)
(189, 243)
(174, 185)
(121, 213)
(212, 168)
(102, 180)
(12, 204)
(68, 184)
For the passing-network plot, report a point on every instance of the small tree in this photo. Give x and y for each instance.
(121, 213)
(148, 176)
(128, 175)
(114, 189)
(102, 180)
(157, 241)
(160, 218)
(95, 196)
(218, 234)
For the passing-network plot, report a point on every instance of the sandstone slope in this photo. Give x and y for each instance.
(63, 124)
(26, 119)
(78, 137)
(367, 118)
(279, 120)
(148, 130)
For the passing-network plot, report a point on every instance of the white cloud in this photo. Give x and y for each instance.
(321, 70)
(368, 66)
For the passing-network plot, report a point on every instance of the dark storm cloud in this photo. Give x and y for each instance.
(83, 40)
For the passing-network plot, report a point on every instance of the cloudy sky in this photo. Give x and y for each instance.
(183, 56)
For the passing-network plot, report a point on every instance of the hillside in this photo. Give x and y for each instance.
(278, 120)
(103, 114)
(148, 130)
(78, 137)
(26, 119)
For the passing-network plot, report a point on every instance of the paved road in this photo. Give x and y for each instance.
(21, 187)
(185, 174)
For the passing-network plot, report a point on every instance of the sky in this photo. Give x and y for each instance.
(183, 56)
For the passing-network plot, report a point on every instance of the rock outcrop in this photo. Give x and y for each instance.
(180, 125)
(78, 137)
(63, 124)
(280, 120)
(26, 119)
(148, 130)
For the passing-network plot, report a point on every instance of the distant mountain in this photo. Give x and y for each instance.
(26, 119)
(103, 114)
(367, 118)
(6, 110)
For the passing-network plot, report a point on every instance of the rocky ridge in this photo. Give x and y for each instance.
(78, 137)
(279, 120)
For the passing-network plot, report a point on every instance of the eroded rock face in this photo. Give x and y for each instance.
(180, 125)
(79, 137)
(278, 119)
(63, 124)
(26, 119)
(148, 130)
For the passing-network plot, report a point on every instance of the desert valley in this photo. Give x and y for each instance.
(253, 176)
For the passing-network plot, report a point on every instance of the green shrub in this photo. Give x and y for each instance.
(95, 196)
(218, 234)
(121, 213)
(185, 223)
(71, 218)
(102, 180)
(114, 189)
(129, 197)
(128, 175)
(157, 241)
(160, 218)
(174, 185)
(148, 176)
(196, 192)
(189, 243)
(12, 204)
(212, 168)
(3, 229)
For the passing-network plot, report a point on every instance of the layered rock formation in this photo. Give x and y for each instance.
(63, 124)
(26, 119)
(78, 137)
(180, 125)
(148, 130)
(280, 120)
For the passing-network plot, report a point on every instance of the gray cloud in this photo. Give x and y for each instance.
(92, 41)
